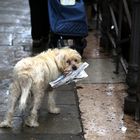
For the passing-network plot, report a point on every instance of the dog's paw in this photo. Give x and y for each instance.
(5, 124)
(31, 123)
(55, 110)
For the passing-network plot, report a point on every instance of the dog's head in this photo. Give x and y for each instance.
(68, 60)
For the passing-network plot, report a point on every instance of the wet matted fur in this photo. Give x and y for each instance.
(32, 75)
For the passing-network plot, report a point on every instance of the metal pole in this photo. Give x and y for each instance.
(133, 68)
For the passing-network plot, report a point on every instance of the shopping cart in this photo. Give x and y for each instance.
(68, 22)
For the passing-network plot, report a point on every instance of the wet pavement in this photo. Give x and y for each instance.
(15, 44)
(64, 126)
(91, 110)
(101, 98)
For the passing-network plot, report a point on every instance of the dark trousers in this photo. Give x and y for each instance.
(39, 19)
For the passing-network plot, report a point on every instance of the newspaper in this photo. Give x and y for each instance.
(75, 76)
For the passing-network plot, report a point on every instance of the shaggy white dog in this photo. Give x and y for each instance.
(32, 76)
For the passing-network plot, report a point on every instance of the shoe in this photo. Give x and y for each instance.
(36, 47)
(39, 46)
(44, 43)
(53, 43)
(36, 43)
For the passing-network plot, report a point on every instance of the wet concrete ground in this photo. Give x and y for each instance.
(15, 44)
(100, 96)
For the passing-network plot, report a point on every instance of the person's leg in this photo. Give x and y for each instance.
(35, 13)
(39, 25)
(45, 26)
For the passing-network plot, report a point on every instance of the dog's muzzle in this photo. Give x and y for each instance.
(74, 67)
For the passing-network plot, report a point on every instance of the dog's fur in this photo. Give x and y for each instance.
(32, 76)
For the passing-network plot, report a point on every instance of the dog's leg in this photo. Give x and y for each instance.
(14, 92)
(51, 103)
(38, 94)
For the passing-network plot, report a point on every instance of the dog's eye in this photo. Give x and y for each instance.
(75, 60)
(68, 61)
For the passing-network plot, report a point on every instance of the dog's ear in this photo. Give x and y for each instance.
(60, 56)
(60, 60)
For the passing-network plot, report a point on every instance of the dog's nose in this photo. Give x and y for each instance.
(74, 67)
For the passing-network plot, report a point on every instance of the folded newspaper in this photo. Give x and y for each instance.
(75, 76)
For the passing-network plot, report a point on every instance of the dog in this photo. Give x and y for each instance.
(31, 76)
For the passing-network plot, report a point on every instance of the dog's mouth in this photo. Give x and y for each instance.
(68, 70)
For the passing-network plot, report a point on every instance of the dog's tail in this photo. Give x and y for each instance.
(25, 84)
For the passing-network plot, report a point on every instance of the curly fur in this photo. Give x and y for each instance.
(32, 76)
